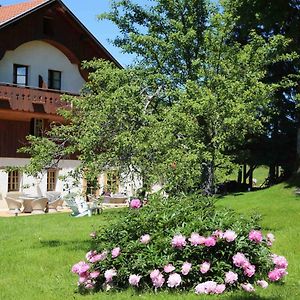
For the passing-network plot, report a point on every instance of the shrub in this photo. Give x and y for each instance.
(183, 243)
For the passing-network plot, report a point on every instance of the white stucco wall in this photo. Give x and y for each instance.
(41, 57)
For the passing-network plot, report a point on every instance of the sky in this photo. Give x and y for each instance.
(86, 11)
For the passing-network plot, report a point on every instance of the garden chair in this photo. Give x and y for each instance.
(95, 204)
(39, 206)
(14, 205)
(52, 206)
(79, 208)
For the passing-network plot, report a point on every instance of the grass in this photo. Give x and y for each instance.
(37, 252)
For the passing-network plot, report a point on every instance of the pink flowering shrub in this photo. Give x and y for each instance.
(180, 244)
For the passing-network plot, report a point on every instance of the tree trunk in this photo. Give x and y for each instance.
(209, 187)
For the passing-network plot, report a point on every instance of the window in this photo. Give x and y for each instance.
(112, 182)
(51, 180)
(54, 80)
(37, 127)
(21, 75)
(13, 181)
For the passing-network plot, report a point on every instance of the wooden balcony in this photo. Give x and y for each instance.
(29, 99)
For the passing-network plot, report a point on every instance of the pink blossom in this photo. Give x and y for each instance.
(208, 287)
(99, 257)
(229, 235)
(90, 254)
(186, 267)
(231, 277)
(134, 279)
(83, 278)
(80, 268)
(249, 270)
(279, 261)
(204, 267)
(109, 274)
(135, 203)
(270, 239)
(145, 239)
(262, 283)
(154, 273)
(158, 281)
(277, 274)
(89, 284)
(174, 280)
(210, 241)
(218, 234)
(239, 259)
(255, 236)
(169, 268)
(220, 288)
(115, 252)
(178, 241)
(196, 239)
(94, 274)
(248, 287)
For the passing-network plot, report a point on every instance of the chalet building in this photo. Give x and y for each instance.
(41, 49)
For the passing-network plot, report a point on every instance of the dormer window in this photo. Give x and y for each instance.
(54, 80)
(20, 75)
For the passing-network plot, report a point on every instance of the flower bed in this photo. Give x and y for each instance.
(183, 244)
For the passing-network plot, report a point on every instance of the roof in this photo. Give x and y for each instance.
(9, 12)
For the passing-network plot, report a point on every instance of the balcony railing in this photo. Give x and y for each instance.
(30, 99)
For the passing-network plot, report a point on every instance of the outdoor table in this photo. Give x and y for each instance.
(27, 201)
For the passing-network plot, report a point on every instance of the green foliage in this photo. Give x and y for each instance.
(162, 219)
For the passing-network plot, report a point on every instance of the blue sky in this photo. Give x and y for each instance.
(87, 11)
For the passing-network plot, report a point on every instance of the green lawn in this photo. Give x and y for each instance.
(37, 252)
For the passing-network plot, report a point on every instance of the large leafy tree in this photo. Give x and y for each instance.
(178, 114)
(277, 145)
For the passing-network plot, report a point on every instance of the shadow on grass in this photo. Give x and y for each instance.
(253, 297)
(67, 245)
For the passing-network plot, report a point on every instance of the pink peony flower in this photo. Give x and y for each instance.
(279, 261)
(220, 288)
(231, 277)
(134, 279)
(218, 234)
(145, 239)
(90, 254)
(169, 268)
(255, 236)
(186, 267)
(262, 283)
(270, 239)
(154, 274)
(135, 203)
(229, 235)
(208, 287)
(99, 257)
(80, 268)
(109, 274)
(249, 270)
(174, 280)
(115, 252)
(204, 267)
(89, 285)
(158, 281)
(210, 241)
(94, 274)
(196, 239)
(277, 274)
(239, 259)
(83, 278)
(248, 287)
(178, 241)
